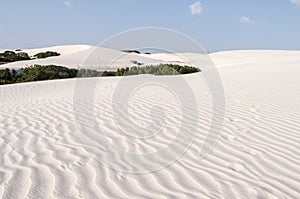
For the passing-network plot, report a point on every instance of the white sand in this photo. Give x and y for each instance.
(81, 56)
(257, 155)
(63, 50)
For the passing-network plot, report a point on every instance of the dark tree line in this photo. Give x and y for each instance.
(49, 72)
(36, 73)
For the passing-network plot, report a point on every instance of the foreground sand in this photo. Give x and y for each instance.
(257, 155)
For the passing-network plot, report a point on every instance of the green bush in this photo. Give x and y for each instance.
(43, 55)
(10, 56)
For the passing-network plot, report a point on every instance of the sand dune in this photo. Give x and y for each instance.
(257, 154)
(63, 50)
(83, 56)
(257, 57)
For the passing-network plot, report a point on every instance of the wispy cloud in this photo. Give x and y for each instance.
(246, 20)
(68, 4)
(196, 8)
(296, 2)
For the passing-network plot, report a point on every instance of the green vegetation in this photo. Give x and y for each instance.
(10, 56)
(43, 55)
(36, 73)
(5, 76)
(39, 73)
(94, 73)
(161, 69)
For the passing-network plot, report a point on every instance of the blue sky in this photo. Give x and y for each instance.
(217, 25)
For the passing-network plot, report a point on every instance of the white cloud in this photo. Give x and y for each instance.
(68, 4)
(196, 8)
(296, 2)
(246, 20)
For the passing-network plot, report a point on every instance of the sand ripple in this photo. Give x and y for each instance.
(257, 155)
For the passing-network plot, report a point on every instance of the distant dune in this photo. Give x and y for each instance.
(257, 57)
(257, 154)
(85, 56)
(80, 56)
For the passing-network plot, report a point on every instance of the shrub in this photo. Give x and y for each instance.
(10, 56)
(43, 55)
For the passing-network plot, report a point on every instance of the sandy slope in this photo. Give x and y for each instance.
(83, 56)
(63, 50)
(257, 57)
(257, 155)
